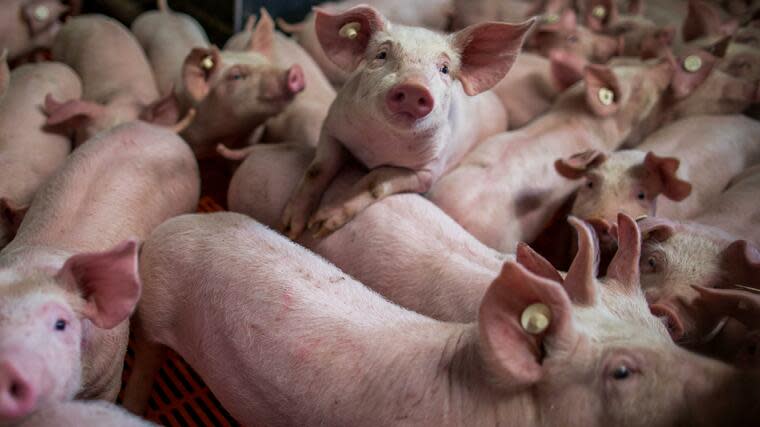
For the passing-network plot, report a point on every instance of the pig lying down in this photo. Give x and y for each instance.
(542, 347)
(407, 111)
(84, 414)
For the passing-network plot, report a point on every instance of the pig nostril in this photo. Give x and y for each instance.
(422, 102)
(399, 97)
(16, 390)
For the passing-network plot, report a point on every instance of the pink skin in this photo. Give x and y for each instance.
(432, 14)
(5, 73)
(23, 32)
(495, 372)
(302, 120)
(29, 152)
(60, 266)
(167, 38)
(117, 83)
(84, 414)
(406, 113)
(419, 257)
(676, 173)
(567, 34)
(469, 12)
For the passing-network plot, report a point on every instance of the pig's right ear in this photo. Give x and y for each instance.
(566, 67)
(345, 36)
(600, 14)
(664, 169)
(703, 19)
(690, 71)
(656, 229)
(71, 114)
(11, 214)
(488, 51)
(579, 164)
(107, 281)
(164, 112)
(200, 65)
(603, 90)
(262, 37)
(521, 314)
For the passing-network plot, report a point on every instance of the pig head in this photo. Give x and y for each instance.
(30, 25)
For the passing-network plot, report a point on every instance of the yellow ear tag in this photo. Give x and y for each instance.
(606, 96)
(41, 13)
(551, 18)
(599, 12)
(350, 31)
(692, 63)
(207, 63)
(641, 217)
(536, 318)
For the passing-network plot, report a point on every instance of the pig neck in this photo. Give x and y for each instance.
(206, 131)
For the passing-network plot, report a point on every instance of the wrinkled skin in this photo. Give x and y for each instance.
(65, 265)
(406, 113)
(419, 258)
(29, 152)
(493, 368)
(117, 82)
(85, 414)
(24, 31)
(302, 120)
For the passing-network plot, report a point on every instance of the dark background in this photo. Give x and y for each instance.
(219, 18)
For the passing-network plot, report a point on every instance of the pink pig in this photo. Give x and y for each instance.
(117, 83)
(66, 298)
(301, 120)
(29, 152)
(408, 113)
(509, 366)
(403, 247)
(84, 414)
(30, 25)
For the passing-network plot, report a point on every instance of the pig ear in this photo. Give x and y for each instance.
(488, 51)
(600, 14)
(742, 305)
(107, 281)
(741, 262)
(262, 38)
(39, 23)
(653, 45)
(602, 90)
(514, 354)
(566, 67)
(580, 281)
(71, 114)
(344, 37)
(664, 169)
(690, 72)
(624, 267)
(636, 7)
(164, 112)
(578, 165)
(200, 65)
(703, 19)
(656, 229)
(536, 264)
(11, 214)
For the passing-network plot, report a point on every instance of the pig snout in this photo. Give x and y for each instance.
(411, 99)
(18, 391)
(295, 81)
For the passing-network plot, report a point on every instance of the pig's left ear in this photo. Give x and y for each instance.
(580, 281)
(703, 19)
(603, 91)
(11, 214)
(624, 267)
(741, 262)
(107, 281)
(652, 45)
(579, 164)
(521, 315)
(663, 170)
(344, 37)
(262, 37)
(742, 305)
(600, 14)
(566, 67)
(163, 112)
(690, 72)
(71, 114)
(488, 51)
(200, 65)
(40, 16)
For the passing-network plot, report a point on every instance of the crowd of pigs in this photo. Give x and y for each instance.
(390, 161)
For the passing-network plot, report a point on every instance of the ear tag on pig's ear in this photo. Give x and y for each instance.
(551, 18)
(350, 31)
(599, 12)
(606, 96)
(207, 63)
(641, 217)
(41, 13)
(536, 318)
(692, 63)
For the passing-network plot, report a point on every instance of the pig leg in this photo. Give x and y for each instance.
(328, 160)
(378, 184)
(149, 357)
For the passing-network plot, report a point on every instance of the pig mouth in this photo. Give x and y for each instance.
(670, 319)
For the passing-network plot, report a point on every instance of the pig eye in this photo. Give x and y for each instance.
(236, 75)
(445, 69)
(60, 325)
(641, 195)
(572, 38)
(621, 373)
(590, 184)
(381, 55)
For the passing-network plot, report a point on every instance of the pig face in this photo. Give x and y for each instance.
(32, 26)
(45, 320)
(567, 35)
(591, 347)
(629, 182)
(742, 61)
(406, 75)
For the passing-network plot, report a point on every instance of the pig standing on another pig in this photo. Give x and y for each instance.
(408, 113)
(84, 414)
(302, 120)
(29, 25)
(117, 83)
(65, 297)
(29, 152)
(543, 346)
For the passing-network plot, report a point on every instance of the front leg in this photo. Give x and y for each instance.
(327, 162)
(378, 184)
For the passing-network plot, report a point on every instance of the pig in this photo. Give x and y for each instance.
(84, 414)
(5, 73)
(565, 33)
(302, 119)
(117, 80)
(471, 12)
(689, 162)
(510, 177)
(432, 14)
(67, 286)
(419, 257)
(30, 25)
(29, 152)
(167, 38)
(408, 113)
(704, 20)
(506, 367)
